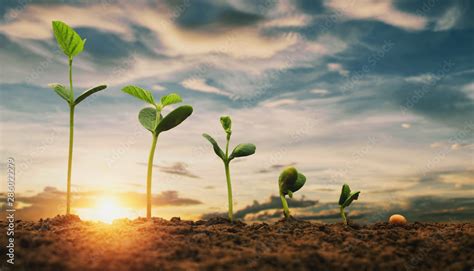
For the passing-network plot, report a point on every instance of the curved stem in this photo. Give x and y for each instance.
(286, 210)
(343, 215)
(149, 175)
(71, 141)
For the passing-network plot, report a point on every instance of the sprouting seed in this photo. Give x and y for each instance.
(240, 150)
(152, 119)
(71, 44)
(290, 181)
(346, 198)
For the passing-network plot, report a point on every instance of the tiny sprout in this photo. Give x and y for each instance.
(289, 182)
(240, 150)
(71, 44)
(346, 199)
(153, 121)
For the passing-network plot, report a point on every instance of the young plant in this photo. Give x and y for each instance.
(346, 198)
(71, 44)
(153, 121)
(240, 150)
(289, 182)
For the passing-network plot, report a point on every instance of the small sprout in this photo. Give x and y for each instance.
(289, 182)
(346, 199)
(71, 44)
(240, 150)
(153, 121)
(397, 220)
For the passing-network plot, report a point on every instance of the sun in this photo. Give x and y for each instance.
(106, 209)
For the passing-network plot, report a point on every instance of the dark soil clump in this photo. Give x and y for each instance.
(67, 243)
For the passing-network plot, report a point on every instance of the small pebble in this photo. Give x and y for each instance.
(397, 220)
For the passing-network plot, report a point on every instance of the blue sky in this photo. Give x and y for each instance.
(378, 94)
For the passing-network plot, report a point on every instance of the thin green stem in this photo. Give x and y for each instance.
(286, 210)
(229, 183)
(71, 141)
(69, 162)
(343, 215)
(149, 175)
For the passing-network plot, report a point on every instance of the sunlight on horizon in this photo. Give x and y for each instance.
(107, 209)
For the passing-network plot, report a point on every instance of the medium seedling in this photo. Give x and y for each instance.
(240, 150)
(346, 198)
(71, 44)
(153, 121)
(289, 182)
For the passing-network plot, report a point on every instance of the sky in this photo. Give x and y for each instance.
(376, 94)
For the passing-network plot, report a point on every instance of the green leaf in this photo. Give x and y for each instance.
(300, 181)
(344, 194)
(352, 197)
(68, 40)
(171, 98)
(216, 147)
(61, 90)
(287, 179)
(147, 118)
(139, 93)
(174, 118)
(226, 124)
(242, 150)
(88, 93)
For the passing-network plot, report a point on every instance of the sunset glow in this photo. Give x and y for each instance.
(106, 210)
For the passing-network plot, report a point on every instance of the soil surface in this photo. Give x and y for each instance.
(67, 243)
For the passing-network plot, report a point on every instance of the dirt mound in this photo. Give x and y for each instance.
(67, 243)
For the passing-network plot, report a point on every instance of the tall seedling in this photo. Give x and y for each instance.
(240, 150)
(153, 121)
(72, 45)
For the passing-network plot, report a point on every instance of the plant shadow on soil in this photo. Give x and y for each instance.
(67, 243)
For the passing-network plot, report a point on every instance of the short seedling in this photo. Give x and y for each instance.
(153, 121)
(71, 44)
(346, 199)
(240, 150)
(289, 182)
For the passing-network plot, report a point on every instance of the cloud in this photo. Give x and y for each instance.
(275, 167)
(319, 91)
(383, 11)
(157, 87)
(448, 20)
(278, 103)
(178, 168)
(406, 125)
(337, 67)
(202, 86)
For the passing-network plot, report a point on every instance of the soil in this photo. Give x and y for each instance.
(67, 243)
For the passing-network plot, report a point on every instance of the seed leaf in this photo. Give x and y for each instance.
(345, 192)
(287, 179)
(139, 93)
(226, 124)
(216, 147)
(300, 181)
(174, 118)
(61, 91)
(350, 199)
(147, 118)
(88, 93)
(171, 98)
(242, 150)
(69, 41)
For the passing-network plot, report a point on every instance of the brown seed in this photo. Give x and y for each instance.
(397, 220)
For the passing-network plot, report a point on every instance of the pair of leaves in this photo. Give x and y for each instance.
(68, 40)
(65, 93)
(290, 181)
(240, 150)
(147, 118)
(147, 96)
(347, 197)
